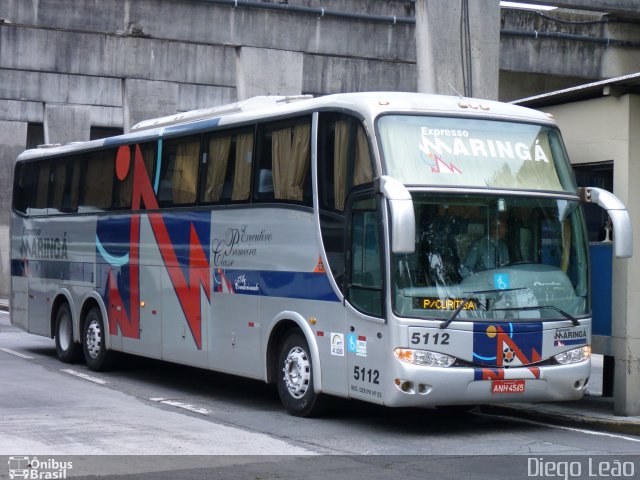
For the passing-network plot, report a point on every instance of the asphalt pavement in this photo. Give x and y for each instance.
(591, 412)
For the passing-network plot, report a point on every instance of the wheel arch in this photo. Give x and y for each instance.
(281, 325)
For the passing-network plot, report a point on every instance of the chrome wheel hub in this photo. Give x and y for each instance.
(297, 372)
(94, 339)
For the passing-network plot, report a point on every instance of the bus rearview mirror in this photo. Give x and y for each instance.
(622, 230)
(403, 223)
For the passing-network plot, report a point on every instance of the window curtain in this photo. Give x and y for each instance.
(216, 168)
(98, 188)
(280, 153)
(74, 185)
(59, 173)
(149, 157)
(363, 172)
(340, 146)
(125, 187)
(299, 164)
(242, 175)
(290, 155)
(43, 186)
(185, 173)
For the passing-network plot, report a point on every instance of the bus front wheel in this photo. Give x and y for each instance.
(96, 355)
(67, 349)
(295, 377)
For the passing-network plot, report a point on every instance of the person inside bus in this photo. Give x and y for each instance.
(488, 252)
(438, 248)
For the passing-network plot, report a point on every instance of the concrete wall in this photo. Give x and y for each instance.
(112, 63)
(596, 130)
(546, 52)
(628, 8)
(13, 136)
(465, 61)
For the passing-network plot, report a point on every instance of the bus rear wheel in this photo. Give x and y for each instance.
(96, 355)
(67, 349)
(295, 377)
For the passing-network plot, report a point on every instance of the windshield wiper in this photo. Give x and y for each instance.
(457, 311)
(573, 319)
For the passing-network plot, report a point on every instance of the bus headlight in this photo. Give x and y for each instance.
(423, 357)
(573, 356)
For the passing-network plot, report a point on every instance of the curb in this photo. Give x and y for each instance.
(575, 419)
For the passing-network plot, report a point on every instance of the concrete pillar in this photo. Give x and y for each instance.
(626, 276)
(66, 123)
(13, 138)
(264, 71)
(144, 99)
(458, 45)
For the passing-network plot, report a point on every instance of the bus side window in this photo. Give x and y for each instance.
(123, 189)
(179, 171)
(344, 162)
(97, 188)
(226, 174)
(345, 159)
(283, 171)
(65, 185)
(25, 188)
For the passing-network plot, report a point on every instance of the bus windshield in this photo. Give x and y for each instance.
(427, 150)
(491, 257)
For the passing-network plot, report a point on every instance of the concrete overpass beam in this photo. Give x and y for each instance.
(278, 72)
(457, 45)
(66, 123)
(625, 8)
(13, 138)
(146, 99)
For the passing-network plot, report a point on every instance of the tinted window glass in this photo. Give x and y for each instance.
(24, 186)
(96, 191)
(179, 171)
(365, 286)
(283, 168)
(124, 189)
(226, 174)
(344, 159)
(65, 182)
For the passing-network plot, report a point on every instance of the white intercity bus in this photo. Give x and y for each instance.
(398, 248)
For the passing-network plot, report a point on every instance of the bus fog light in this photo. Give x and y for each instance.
(405, 385)
(574, 356)
(424, 357)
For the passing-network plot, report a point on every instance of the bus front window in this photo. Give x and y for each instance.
(495, 257)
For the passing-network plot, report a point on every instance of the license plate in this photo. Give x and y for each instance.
(507, 386)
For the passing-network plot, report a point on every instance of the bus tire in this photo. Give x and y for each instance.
(295, 377)
(96, 355)
(67, 349)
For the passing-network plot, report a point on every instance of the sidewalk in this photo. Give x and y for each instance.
(592, 411)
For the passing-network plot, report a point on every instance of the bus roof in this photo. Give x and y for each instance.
(367, 104)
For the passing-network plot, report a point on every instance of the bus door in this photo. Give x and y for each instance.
(365, 339)
(19, 278)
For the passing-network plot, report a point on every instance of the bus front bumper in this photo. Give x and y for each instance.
(416, 386)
